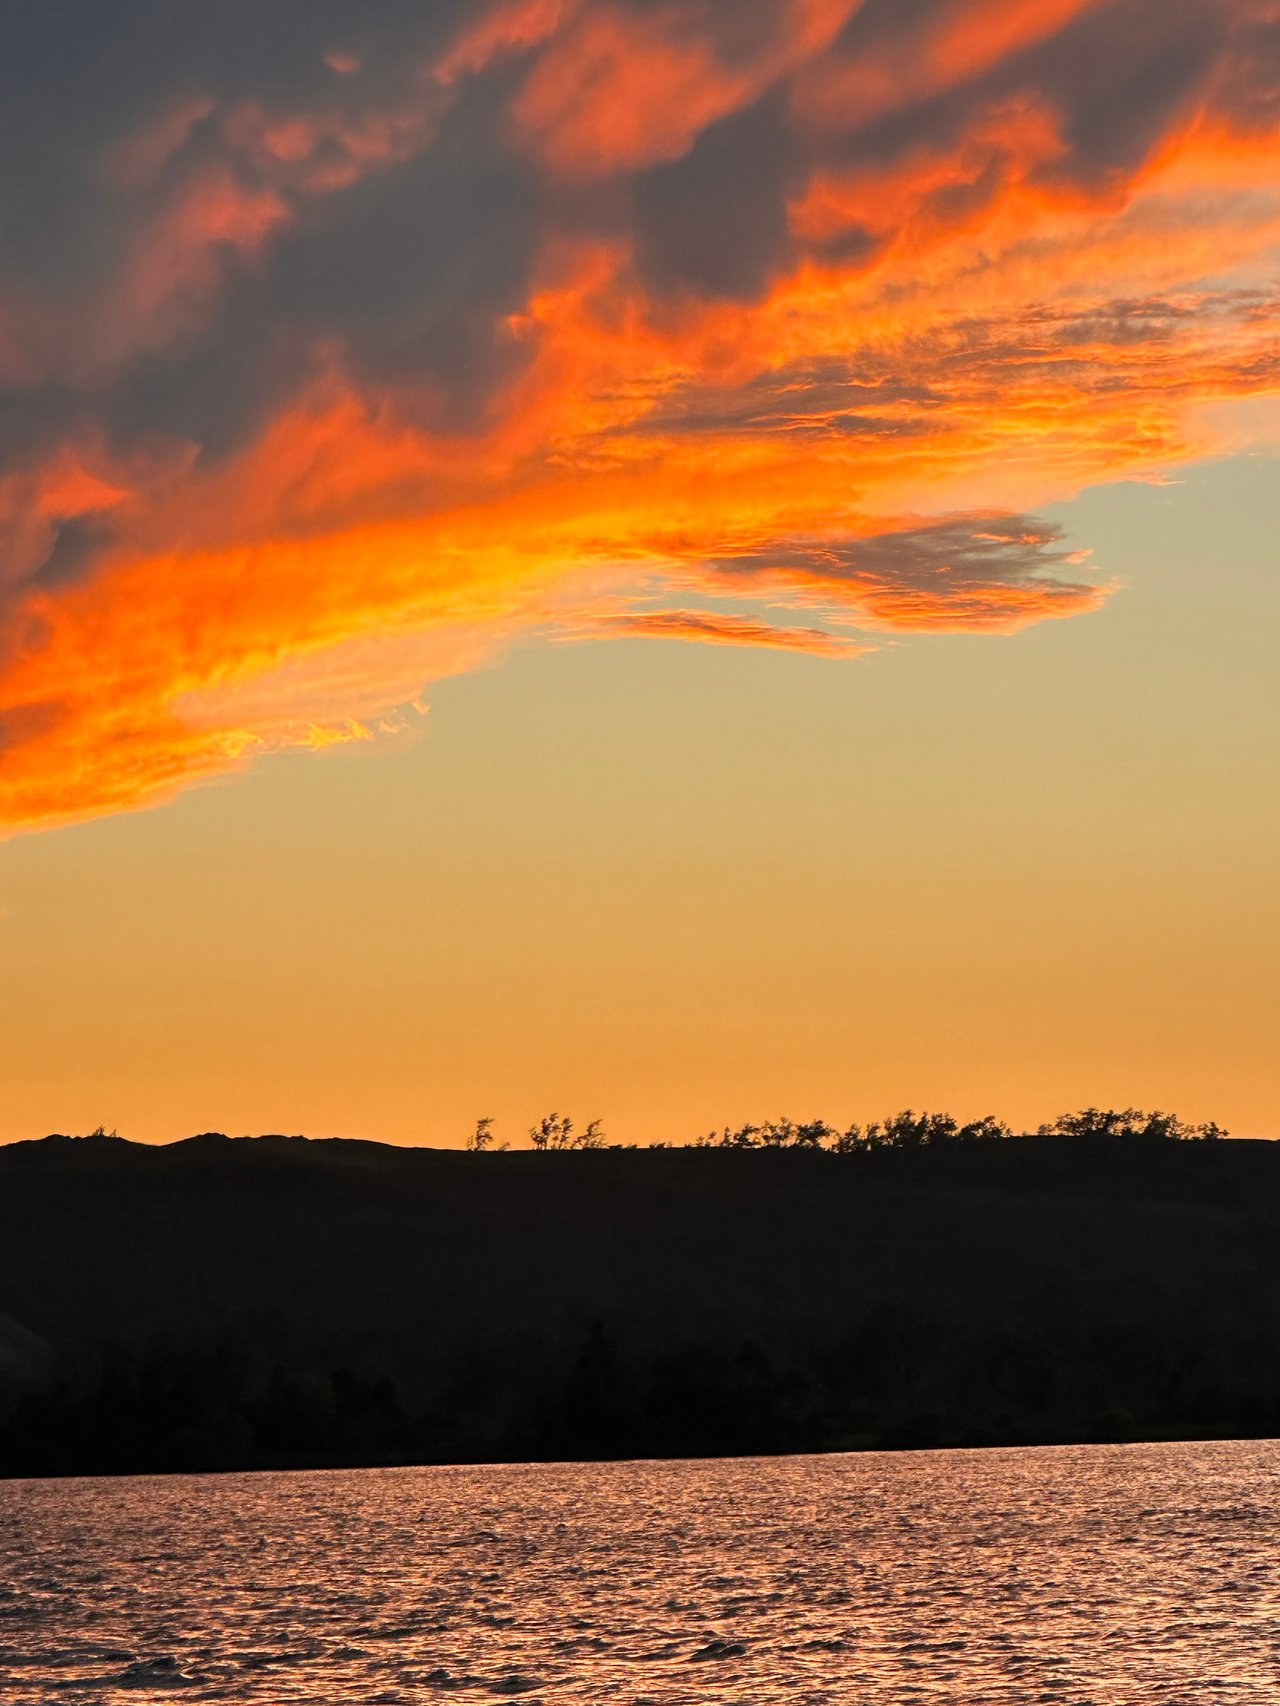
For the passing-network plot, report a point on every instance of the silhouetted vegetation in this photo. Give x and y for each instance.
(905, 1130)
(482, 1138)
(225, 1303)
(556, 1131)
(909, 1130)
(1131, 1123)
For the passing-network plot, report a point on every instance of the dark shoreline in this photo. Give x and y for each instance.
(897, 1451)
(281, 1303)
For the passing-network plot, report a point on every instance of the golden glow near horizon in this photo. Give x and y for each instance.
(790, 327)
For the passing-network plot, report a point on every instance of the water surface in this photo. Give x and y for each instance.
(1120, 1576)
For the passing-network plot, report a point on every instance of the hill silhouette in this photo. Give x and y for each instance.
(220, 1302)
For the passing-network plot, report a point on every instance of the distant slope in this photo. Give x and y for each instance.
(220, 1302)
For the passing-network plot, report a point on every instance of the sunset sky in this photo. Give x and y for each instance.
(679, 560)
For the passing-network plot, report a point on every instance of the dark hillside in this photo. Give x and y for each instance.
(226, 1302)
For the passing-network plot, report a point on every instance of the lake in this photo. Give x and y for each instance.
(1117, 1575)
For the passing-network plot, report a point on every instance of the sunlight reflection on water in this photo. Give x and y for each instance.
(1112, 1575)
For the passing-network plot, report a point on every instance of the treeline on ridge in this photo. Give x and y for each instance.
(225, 1303)
(905, 1130)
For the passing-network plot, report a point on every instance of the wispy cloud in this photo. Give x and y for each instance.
(339, 343)
(992, 573)
(717, 628)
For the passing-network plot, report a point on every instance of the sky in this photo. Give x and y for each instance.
(676, 560)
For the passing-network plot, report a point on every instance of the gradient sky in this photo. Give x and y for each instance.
(680, 560)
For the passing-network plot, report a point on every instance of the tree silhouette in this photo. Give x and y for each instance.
(482, 1138)
(1131, 1123)
(556, 1131)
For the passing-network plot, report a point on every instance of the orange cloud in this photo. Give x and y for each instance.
(501, 30)
(578, 308)
(857, 87)
(620, 87)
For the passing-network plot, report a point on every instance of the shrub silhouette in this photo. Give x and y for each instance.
(482, 1137)
(554, 1131)
(909, 1130)
(1131, 1123)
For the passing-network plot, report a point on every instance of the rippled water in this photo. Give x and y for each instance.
(1116, 1575)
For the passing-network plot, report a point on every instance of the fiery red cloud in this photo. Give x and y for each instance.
(328, 367)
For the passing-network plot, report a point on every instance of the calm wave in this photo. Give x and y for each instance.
(1113, 1575)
